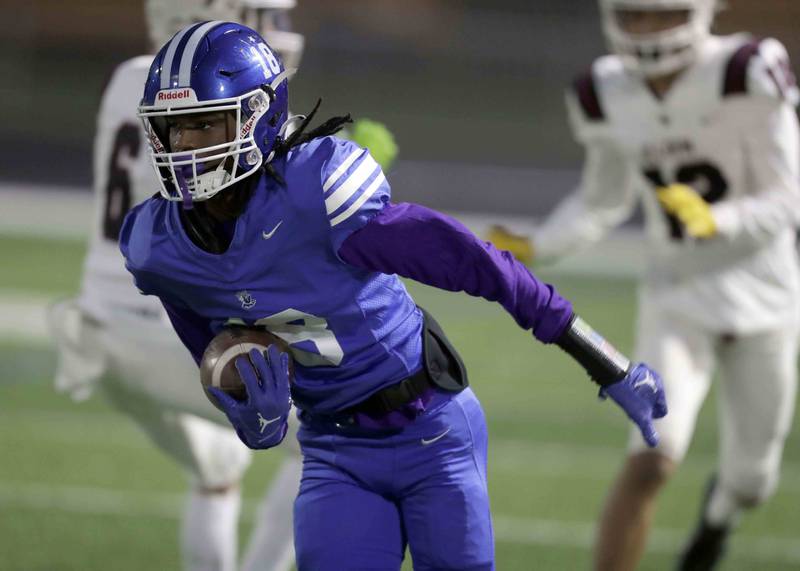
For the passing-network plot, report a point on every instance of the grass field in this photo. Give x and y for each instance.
(81, 489)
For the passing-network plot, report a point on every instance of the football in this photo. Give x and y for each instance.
(217, 367)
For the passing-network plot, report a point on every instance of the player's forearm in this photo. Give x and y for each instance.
(568, 230)
(760, 217)
(773, 151)
(603, 200)
(429, 247)
(604, 364)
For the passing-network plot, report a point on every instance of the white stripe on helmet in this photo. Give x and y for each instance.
(185, 71)
(166, 66)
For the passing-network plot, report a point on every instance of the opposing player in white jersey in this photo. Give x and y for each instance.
(122, 342)
(701, 130)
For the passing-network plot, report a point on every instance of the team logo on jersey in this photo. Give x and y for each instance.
(245, 299)
(656, 153)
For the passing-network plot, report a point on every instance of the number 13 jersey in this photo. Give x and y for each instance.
(727, 128)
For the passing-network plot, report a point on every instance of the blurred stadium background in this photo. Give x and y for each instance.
(473, 92)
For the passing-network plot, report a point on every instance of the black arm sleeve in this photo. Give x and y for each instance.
(601, 360)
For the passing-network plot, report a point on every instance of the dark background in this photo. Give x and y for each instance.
(472, 89)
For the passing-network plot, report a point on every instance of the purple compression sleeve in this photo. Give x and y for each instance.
(429, 247)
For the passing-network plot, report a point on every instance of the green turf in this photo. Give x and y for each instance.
(553, 450)
(40, 265)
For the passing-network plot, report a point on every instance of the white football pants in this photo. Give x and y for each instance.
(140, 365)
(757, 389)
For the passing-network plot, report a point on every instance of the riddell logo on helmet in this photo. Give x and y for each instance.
(174, 94)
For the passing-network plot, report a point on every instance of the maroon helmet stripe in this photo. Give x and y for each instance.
(736, 72)
(585, 88)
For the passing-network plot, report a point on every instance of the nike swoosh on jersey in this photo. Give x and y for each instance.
(426, 442)
(268, 235)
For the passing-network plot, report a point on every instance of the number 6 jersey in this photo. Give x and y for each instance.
(123, 177)
(728, 129)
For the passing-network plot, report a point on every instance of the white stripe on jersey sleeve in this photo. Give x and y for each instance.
(352, 184)
(376, 184)
(341, 170)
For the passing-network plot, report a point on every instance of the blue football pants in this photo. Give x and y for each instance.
(365, 495)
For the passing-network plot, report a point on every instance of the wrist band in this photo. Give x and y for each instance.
(601, 360)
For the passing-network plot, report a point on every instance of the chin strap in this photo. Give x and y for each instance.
(203, 182)
(291, 125)
(285, 74)
(183, 188)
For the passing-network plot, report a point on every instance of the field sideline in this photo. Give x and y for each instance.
(66, 213)
(80, 487)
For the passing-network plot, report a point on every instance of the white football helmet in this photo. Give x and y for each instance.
(166, 17)
(268, 17)
(663, 52)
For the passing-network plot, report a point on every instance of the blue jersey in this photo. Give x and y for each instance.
(351, 331)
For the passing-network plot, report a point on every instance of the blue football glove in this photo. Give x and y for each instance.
(262, 420)
(641, 396)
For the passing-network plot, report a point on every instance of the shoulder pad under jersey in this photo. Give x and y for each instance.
(587, 101)
(124, 89)
(143, 225)
(585, 92)
(340, 174)
(761, 67)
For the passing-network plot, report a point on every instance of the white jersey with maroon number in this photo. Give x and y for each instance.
(727, 128)
(123, 177)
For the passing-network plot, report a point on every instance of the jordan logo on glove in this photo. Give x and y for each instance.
(263, 422)
(647, 381)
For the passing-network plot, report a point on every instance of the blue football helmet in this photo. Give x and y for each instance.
(210, 67)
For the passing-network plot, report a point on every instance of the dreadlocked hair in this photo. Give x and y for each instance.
(300, 136)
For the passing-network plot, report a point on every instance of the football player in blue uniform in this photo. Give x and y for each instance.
(263, 222)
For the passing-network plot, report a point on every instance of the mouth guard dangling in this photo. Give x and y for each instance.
(183, 188)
